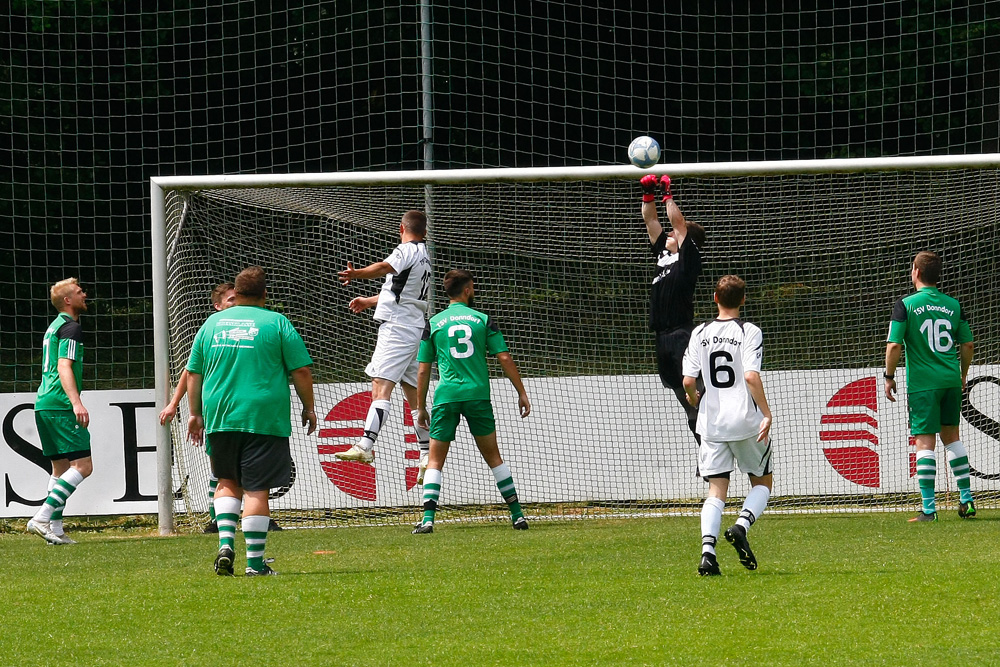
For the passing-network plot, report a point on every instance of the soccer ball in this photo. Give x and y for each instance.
(644, 152)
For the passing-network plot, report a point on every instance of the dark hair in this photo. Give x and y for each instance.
(697, 234)
(220, 291)
(730, 290)
(251, 282)
(455, 281)
(415, 222)
(928, 265)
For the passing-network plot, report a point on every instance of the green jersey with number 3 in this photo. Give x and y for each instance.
(931, 326)
(460, 339)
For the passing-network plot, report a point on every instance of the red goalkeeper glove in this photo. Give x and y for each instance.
(665, 184)
(648, 183)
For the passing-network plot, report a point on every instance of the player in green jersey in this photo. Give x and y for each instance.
(238, 395)
(938, 342)
(60, 416)
(460, 338)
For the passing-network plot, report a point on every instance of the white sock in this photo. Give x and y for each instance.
(753, 506)
(254, 526)
(377, 414)
(423, 435)
(59, 493)
(57, 524)
(711, 522)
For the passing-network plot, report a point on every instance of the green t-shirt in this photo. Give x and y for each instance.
(460, 338)
(931, 326)
(63, 340)
(244, 355)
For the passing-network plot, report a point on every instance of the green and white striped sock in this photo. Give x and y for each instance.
(227, 513)
(213, 484)
(56, 519)
(958, 459)
(926, 472)
(432, 492)
(62, 489)
(505, 482)
(255, 532)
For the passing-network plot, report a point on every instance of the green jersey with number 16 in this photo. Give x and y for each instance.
(460, 338)
(931, 326)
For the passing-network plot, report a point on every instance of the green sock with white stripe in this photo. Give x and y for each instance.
(958, 459)
(505, 482)
(926, 472)
(213, 484)
(255, 532)
(432, 492)
(62, 489)
(57, 515)
(227, 513)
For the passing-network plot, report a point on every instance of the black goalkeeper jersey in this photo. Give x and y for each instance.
(671, 300)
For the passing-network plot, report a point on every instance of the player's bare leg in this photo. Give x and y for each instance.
(753, 507)
(423, 435)
(378, 413)
(432, 485)
(711, 523)
(488, 447)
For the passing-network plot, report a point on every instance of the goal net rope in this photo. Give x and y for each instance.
(564, 267)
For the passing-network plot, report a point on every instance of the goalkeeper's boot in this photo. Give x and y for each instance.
(422, 467)
(737, 536)
(211, 527)
(967, 510)
(423, 528)
(924, 517)
(272, 526)
(65, 539)
(224, 561)
(709, 566)
(356, 453)
(265, 571)
(521, 523)
(43, 529)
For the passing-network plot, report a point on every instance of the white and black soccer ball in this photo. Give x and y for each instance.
(644, 152)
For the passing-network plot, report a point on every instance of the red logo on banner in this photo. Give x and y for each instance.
(858, 463)
(353, 478)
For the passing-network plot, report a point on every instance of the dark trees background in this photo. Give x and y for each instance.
(97, 97)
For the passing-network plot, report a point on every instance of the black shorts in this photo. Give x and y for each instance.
(670, 347)
(256, 462)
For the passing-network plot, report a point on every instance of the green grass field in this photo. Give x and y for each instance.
(831, 589)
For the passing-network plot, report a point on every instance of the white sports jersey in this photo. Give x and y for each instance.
(722, 351)
(403, 299)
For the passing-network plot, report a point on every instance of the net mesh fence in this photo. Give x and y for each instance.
(565, 269)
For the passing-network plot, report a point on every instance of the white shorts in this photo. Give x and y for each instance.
(718, 458)
(395, 356)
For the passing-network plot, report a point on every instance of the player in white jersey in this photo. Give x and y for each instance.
(734, 419)
(401, 311)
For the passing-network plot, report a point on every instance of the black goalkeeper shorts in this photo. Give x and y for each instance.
(670, 347)
(256, 462)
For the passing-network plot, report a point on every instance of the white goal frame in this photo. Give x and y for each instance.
(161, 184)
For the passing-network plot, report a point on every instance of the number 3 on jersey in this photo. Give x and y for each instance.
(938, 334)
(460, 341)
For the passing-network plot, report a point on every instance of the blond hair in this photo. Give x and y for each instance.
(60, 291)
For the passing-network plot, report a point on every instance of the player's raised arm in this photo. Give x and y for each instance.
(649, 214)
(677, 220)
(376, 270)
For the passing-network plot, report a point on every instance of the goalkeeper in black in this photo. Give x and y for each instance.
(671, 302)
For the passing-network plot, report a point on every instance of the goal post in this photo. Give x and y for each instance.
(562, 262)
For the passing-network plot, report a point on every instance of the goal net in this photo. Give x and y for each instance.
(563, 263)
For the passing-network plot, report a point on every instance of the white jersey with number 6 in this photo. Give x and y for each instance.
(403, 299)
(722, 351)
